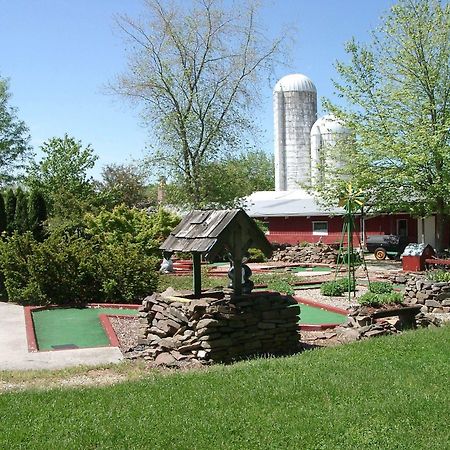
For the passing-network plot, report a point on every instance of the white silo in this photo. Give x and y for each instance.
(325, 134)
(295, 111)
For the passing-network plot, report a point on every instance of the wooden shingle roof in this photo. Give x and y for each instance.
(211, 232)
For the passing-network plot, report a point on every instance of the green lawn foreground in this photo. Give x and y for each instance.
(385, 393)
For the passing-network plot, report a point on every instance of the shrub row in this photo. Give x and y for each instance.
(112, 259)
(74, 270)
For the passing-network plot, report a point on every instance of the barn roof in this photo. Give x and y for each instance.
(286, 203)
(211, 232)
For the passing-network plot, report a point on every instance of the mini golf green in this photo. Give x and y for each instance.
(63, 328)
(317, 316)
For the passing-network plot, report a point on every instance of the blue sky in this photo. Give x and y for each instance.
(59, 55)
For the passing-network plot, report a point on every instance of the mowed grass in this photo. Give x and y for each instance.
(385, 393)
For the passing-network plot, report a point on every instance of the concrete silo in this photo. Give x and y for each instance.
(325, 134)
(295, 111)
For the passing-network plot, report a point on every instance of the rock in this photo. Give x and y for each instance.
(206, 323)
(432, 303)
(165, 359)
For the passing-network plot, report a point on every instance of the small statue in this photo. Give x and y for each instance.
(167, 263)
(247, 284)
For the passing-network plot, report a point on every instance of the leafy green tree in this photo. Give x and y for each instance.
(62, 177)
(226, 182)
(10, 210)
(2, 215)
(123, 183)
(37, 214)
(14, 138)
(196, 68)
(21, 213)
(397, 92)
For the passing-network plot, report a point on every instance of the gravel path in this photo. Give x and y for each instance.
(126, 329)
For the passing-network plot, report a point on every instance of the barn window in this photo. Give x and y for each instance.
(320, 228)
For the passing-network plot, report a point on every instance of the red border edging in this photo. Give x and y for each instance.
(104, 321)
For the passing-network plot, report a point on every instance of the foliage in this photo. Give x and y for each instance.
(195, 67)
(59, 270)
(66, 269)
(256, 255)
(225, 182)
(3, 221)
(380, 287)
(21, 212)
(281, 282)
(123, 184)
(14, 138)
(374, 299)
(308, 415)
(331, 288)
(439, 275)
(346, 286)
(397, 90)
(124, 224)
(62, 177)
(37, 214)
(10, 210)
(126, 274)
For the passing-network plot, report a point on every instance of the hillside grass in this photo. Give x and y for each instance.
(385, 393)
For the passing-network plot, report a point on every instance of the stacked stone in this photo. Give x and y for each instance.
(179, 332)
(310, 254)
(360, 325)
(434, 296)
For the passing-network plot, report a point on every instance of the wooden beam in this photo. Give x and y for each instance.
(197, 274)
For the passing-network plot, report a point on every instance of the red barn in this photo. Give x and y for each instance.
(295, 216)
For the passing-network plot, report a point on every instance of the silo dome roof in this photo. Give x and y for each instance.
(295, 82)
(328, 124)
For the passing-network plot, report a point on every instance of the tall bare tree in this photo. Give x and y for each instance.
(196, 68)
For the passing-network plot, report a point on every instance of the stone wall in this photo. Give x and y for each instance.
(434, 296)
(311, 254)
(179, 331)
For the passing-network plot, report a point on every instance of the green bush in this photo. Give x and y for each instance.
(380, 287)
(256, 255)
(439, 275)
(279, 282)
(126, 273)
(332, 288)
(132, 225)
(373, 299)
(346, 284)
(66, 269)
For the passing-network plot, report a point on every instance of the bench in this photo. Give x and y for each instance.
(406, 314)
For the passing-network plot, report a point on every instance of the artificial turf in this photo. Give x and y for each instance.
(72, 327)
(316, 316)
(386, 393)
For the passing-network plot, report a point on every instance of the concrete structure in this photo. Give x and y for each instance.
(325, 134)
(295, 111)
(303, 146)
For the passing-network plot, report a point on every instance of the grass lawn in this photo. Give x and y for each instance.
(385, 393)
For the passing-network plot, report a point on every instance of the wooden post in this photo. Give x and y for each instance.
(237, 275)
(197, 274)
